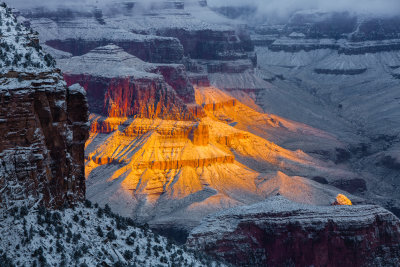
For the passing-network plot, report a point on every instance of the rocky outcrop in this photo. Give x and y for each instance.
(80, 32)
(346, 47)
(234, 66)
(131, 87)
(200, 80)
(341, 72)
(295, 45)
(209, 43)
(43, 135)
(336, 25)
(342, 200)
(175, 75)
(43, 125)
(371, 47)
(156, 49)
(124, 97)
(278, 232)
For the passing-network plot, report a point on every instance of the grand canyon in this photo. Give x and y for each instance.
(195, 133)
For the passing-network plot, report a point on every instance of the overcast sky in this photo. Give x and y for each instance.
(284, 7)
(265, 7)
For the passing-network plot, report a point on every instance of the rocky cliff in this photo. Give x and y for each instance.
(43, 124)
(132, 87)
(278, 232)
(84, 34)
(171, 173)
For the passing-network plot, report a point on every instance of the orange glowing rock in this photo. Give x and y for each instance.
(171, 171)
(342, 200)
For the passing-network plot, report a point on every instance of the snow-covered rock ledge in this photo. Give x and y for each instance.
(277, 232)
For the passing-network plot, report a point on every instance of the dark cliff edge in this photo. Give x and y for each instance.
(43, 124)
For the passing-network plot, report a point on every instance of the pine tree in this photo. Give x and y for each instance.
(111, 235)
(99, 231)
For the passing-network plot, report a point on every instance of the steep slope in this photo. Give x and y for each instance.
(172, 173)
(43, 124)
(225, 106)
(83, 34)
(154, 156)
(278, 232)
(132, 87)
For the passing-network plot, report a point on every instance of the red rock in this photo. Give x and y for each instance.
(121, 85)
(278, 232)
(43, 131)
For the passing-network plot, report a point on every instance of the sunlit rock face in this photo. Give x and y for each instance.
(43, 125)
(342, 200)
(121, 85)
(172, 173)
(167, 153)
(278, 232)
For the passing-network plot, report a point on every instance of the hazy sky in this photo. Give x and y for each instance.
(265, 7)
(284, 7)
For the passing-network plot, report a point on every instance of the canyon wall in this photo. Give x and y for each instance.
(43, 132)
(278, 232)
(43, 124)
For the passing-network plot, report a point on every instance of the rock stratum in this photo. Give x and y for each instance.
(170, 170)
(278, 232)
(172, 142)
(179, 133)
(339, 70)
(131, 87)
(43, 124)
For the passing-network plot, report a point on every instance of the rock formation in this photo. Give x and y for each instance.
(339, 72)
(342, 200)
(171, 173)
(168, 153)
(278, 232)
(131, 87)
(85, 34)
(43, 124)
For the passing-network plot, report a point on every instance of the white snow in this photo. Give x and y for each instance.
(108, 61)
(77, 88)
(83, 235)
(278, 210)
(17, 47)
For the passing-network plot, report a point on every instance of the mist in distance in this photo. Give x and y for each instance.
(261, 9)
(287, 7)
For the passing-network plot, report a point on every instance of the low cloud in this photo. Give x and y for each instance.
(287, 7)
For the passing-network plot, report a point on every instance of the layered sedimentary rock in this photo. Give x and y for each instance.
(209, 43)
(346, 47)
(157, 155)
(172, 173)
(82, 35)
(336, 25)
(346, 86)
(131, 87)
(278, 232)
(43, 125)
(175, 75)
